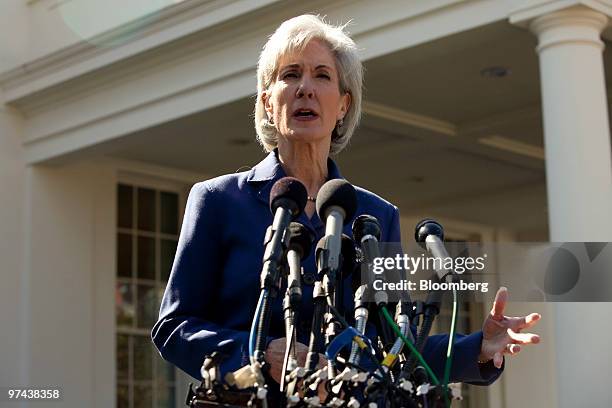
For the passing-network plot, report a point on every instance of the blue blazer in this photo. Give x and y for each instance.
(214, 285)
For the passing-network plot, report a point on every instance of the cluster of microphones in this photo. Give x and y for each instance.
(388, 371)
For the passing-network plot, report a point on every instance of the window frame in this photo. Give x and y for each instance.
(158, 184)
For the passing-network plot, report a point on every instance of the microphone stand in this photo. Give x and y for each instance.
(430, 235)
(275, 243)
(319, 295)
(322, 318)
(328, 268)
(403, 316)
(361, 320)
(315, 343)
(291, 305)
(300, 245)
(429, 309)
(287, 200)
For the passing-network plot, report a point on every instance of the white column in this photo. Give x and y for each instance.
(576, 128)
(70, 234)
(579, 182)
(13, 335)
(13, 304)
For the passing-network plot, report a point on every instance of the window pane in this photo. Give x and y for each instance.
(168, 249)
(148, 307)
(125, 205)
(143, 358)
(169, 213)
(124, 304)
(146, 209)
(123, 358)
(146, 258)
(124, 255)
(165, 397)
(123, 397)
(143, 396)
(144, 262)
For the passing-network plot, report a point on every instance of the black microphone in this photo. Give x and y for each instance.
(334, 291)
(347, 265)
(319, 295)
(287, 201)
(429, 234)
(300, 245)
(366, 231)
(336, 205)
(348, 262)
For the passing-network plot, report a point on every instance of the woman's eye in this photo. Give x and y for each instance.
(290, 74)
(325, 76)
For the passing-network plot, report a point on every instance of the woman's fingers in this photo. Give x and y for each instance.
(525, 322)
(498, 359)
(523, 338)
(501, 298)
(504, 332)
(512, 349)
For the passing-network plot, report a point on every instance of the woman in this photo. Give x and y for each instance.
(309, 81)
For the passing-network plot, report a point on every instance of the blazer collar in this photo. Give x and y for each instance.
(269, 170)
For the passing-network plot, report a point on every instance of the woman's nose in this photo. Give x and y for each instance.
(305, 89)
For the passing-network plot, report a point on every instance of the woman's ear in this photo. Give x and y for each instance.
(265, 98)
(345, 104)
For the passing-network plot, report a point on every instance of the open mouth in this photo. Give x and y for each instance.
(305, 114)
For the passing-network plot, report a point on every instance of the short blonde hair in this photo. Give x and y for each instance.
(292, 36)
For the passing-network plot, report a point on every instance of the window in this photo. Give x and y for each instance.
(147, 235)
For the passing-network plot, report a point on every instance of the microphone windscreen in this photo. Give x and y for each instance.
(340, 193)
(288, 192)
(301, 239)
(364, 225)
(427, 227)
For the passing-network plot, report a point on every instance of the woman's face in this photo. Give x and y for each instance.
(305, 101)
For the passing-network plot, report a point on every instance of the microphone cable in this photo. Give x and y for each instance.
(288, 347)
(414, 351)
(449, 350)
(345, 325)
(253, 334)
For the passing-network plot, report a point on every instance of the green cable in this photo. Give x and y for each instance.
(449, 350)
(410, 346)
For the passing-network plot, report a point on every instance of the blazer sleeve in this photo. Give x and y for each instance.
(184, 332)
(465, 366)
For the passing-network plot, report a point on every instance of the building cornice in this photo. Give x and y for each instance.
(530, 10)
(193, 60)
(169, 24)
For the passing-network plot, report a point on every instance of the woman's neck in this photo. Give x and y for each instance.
(307, 163)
